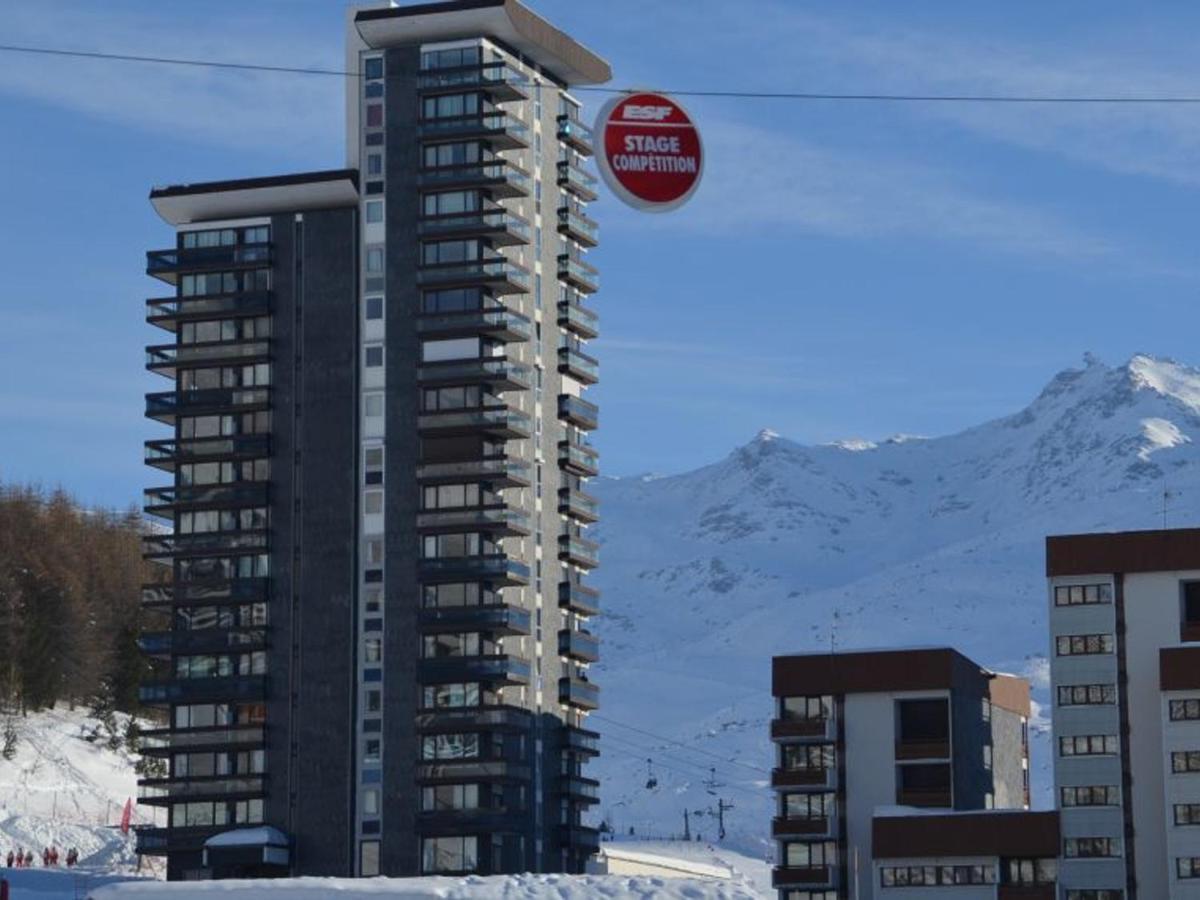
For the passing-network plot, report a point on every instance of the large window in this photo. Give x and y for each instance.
(1031, 871)
(935, 876)
(459, 153)
(450, 106)
(449, 855)
(1187, 761)
(923, 721)
(1096, 894)
(1091, 795)
(451, 203)
(1083, 644)
(203, 283)
(436, 646)
(450, 746)
(1091, 847)
(451, 696)
(1089, 745)
(803, 855)
(1091, 695)
(1187, 866)
(454, 58)
(434, 253)
(450, 797)
(1187, 813)
(808, 806)
(804, 757)
(1184, 710)
(1082, 594)
(452, 300)
(806, 709)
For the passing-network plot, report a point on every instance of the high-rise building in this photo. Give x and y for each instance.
(376, 640)
(857, 731)
(1125, 680)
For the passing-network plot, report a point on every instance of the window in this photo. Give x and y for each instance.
(374, 308)
(804, 757)
(373, 356)
(374, 115)
(370, 802)
(456, 58)
(449, 854)
(924, 784)
(1091, 795)
(372, 502)
(450, 746)
(1082, 594)
(1031, 871)
(1185, 762)
(1184, 710)
(373, 67)
(454, 348)
(373, 405)
(449, 696)
(805, 855)
(371, 749)
(460, 153)
(450, 106)
(454, 496)
(374, 163)
(808, 806)
(469, 594)
(441, 645)
(1096, 894)
(453, 300)
(1187, 866)
(935, 876)
(1091, 847)
(450, 796)
(373, 650)
(374, 211)
(1083, 644)
(806, 709)
(451, 203)
(375, 260)
(435, 253)
(1089, 745)
(1092, 695)
(1187, 813)
(923, 721)
(368, 858)
(1191, 610)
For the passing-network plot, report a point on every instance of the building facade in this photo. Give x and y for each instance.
(1125, 677)
(855, 731)
(376, 607)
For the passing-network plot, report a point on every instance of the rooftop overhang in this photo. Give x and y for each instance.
(505, 20)
(185, 204)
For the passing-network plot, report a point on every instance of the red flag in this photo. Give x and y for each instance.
(126, 815)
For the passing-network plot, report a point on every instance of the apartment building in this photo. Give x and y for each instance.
(376, 648)
(856, 731)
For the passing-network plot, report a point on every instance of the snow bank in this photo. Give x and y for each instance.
(508, 887)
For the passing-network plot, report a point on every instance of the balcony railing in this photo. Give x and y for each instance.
(578, 459)
(578, 598)
(581, 694)
(816, 827)
(499, 470)
(580, 740)
(498, 323)
(575, 180)
(494, 519)
(189, 690)
(579, 274)
(500, 421)
(207, 640)
(578, 505)
(932, 799)
(804, 876)
(163, 791)
(500, 227)
(165, 741)
(494, 618)
(167, 264)
(579, 551)
(580, 838)
(201, 593)
(166, 406)
(473, 770)
(803, 777)
(577, 787)
(782, 729)
(578, 319)
(497, 669)
(579, 645)
(498, 717)
(501, 130)
(213, 543)
(504, 374)
(498, 569)
(500, 178)
(165, 358)
(165, 501)
(578, 365)
(496, 273)
(923, 749)
(498, 80)
(578, 412)
(574, 133)
(578, 227)
(167, 454)
(167, 312)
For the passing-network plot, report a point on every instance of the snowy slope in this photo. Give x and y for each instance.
(63, 790)
(782, 547)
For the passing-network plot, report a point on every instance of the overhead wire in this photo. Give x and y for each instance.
(818, 96)
(688, 747)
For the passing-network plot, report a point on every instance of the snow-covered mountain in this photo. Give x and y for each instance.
(908, 541)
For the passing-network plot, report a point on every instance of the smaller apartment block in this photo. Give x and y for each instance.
(1125, 679)
(924, 728)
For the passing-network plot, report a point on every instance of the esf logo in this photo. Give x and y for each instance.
(647, 113)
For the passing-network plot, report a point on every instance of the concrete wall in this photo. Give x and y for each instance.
(870, 779)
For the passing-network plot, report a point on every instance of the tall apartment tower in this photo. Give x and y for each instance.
(376, 646)
(1125, 676)
(855, 731)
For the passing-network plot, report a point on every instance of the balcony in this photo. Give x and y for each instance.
(203, 690)
(578, 693)
(499, 669)
(501, 179)
(927, 799)
(168, 312)
(576, 181)
(166, 741)
(496, 421)
(164, 359)
(499, 570)
(576, 135)
(208, 640)
(165, 791)
(578, 412)
(578, 227)
(165, 501)
(578, 645)
(581, 741)
(167, 406)
(499, 718)
(201, 593)
(168, 454)
(448, 822)
(499, 471)
(820, 778)
(578, 459)
(501, 373)
(909, 750)
(578, 365)
(579, 551)
(501, 130)
(578, 274)
(494, 519)
(452, 770)
(498, 323)
(578, 319)
(578, 598)
(213, 543)
(576, 787)
(804, 876)
(580, 838)
(496, 274)
(500, 227)
(166, 265)
(495, 618)
(579, 506)
(787, 828)
(498, 80)
(782, 729)
(157, 841)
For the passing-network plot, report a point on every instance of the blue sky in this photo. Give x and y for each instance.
(845, 270)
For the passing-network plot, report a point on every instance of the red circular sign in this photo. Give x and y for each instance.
(650, 151)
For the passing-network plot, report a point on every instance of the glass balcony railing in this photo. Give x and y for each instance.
(483, 518)
(579, 227)
(574, 692)
(575, 180)
(219, 542)
(578, 645)
(504, 373)
(167, 405)
(164, 500)
(580, 740)
(578, 365)
(578, 319)
(167, 454)
(499, 323)
(579, 459)
(164, 311)
(501, 470)
(501, 420)
(498, 668)
(498, 274)
(578, 274)
(160, 741)
(504, 131)
(168, 356)
(498, 79)
(186, 690)
(578, 550)
(499, 177)
(500, 226)
(167, 264)
(578, 411)
(494, 618)
(499, 568)
(578, 598)
(572, 131)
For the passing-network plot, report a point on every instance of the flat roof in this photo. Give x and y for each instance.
(183, 204)
(1165, 550)
(508, 21)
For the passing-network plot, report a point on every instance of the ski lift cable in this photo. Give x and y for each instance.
(689, 748)
(636, 754)
(703, 769)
